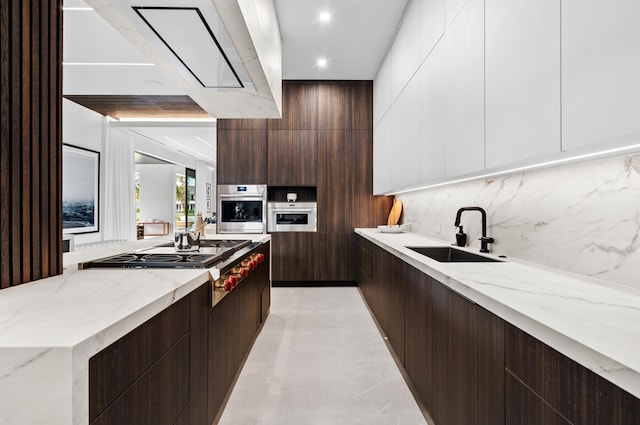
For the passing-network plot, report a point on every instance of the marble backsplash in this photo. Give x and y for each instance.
(582, 218)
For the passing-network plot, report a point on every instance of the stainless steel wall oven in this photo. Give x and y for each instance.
(292, 216)
(242, 209)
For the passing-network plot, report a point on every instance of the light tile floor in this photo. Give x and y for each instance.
(320, 360)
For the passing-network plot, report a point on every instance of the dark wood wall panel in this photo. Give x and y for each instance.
(324, 140)
(30, 140)
(120, 106)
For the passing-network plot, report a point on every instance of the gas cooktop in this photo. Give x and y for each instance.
(165, 256)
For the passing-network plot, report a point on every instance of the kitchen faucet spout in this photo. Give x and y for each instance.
(484, 240)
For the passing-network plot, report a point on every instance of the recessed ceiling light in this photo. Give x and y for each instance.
(325, 16)
(322, 63)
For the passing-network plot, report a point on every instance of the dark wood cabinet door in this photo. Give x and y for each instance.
(468, 361)
(279, 157)
(367, 210)
(299, 107)
(333, 259)
(452, 373)
(249, 311)
(418, 348)
(241, 156)
(292, 157)
(200, 304)
(392, 294)
(362, 105)
(334, 105)
(334, 182)
(524, 407)
(293, 256)
(158, 397)
(224, 351)
(118, 366)
(488, 374)
(305, 158)
(576, 393)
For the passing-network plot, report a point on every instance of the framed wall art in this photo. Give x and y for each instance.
(80, 189)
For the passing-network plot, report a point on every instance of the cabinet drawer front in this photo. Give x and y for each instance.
(158, 397)
(115, 368)
(578, 394)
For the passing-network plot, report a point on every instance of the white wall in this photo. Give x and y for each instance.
(157, 192)
(85, 128)
(205, 175)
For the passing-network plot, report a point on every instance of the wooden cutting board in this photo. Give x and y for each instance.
(396, 211)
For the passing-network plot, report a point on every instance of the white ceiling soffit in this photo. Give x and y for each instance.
(188, 41)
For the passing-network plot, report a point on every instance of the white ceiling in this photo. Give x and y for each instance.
(353, 42)
(98, 60)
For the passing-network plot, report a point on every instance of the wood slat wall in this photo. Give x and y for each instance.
(30, 140)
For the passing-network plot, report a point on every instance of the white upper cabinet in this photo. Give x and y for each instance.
(432, 130)
(600, 71)
(522, 80)
(382, 141)
(405, 53)
(431, 25)
(463, 65)
(451, 10)
(382, 91)
(410, 158)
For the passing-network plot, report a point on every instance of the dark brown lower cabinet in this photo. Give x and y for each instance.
(382, 279)
(418, 345)
(467, 361)
(233, 325)
(451, 348)
(524, 407)
(159, 396)
(468, 366)
(294, 256)
(146, 376)
(178, 367)
(568, 388)
(224, 350)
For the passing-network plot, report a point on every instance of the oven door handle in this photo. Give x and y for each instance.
(291, 211)
(241, 197)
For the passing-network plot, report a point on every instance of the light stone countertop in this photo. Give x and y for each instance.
(594, 322)
(50, 328)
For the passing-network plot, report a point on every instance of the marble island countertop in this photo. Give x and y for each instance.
(594, 322)
(51, 327)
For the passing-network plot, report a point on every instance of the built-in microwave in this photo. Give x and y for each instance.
(242, 209)
(292, 216)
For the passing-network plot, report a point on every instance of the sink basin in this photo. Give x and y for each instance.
(446, 254)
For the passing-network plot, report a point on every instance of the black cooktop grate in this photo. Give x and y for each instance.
(216, 251)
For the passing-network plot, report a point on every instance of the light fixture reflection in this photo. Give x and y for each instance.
(322, 63)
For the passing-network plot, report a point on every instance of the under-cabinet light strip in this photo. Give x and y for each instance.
(560, 161)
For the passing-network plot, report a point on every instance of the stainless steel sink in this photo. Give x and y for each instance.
(447, 254)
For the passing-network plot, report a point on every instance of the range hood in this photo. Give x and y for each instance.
(225, 54)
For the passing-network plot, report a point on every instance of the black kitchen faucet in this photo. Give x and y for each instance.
(484, 240)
